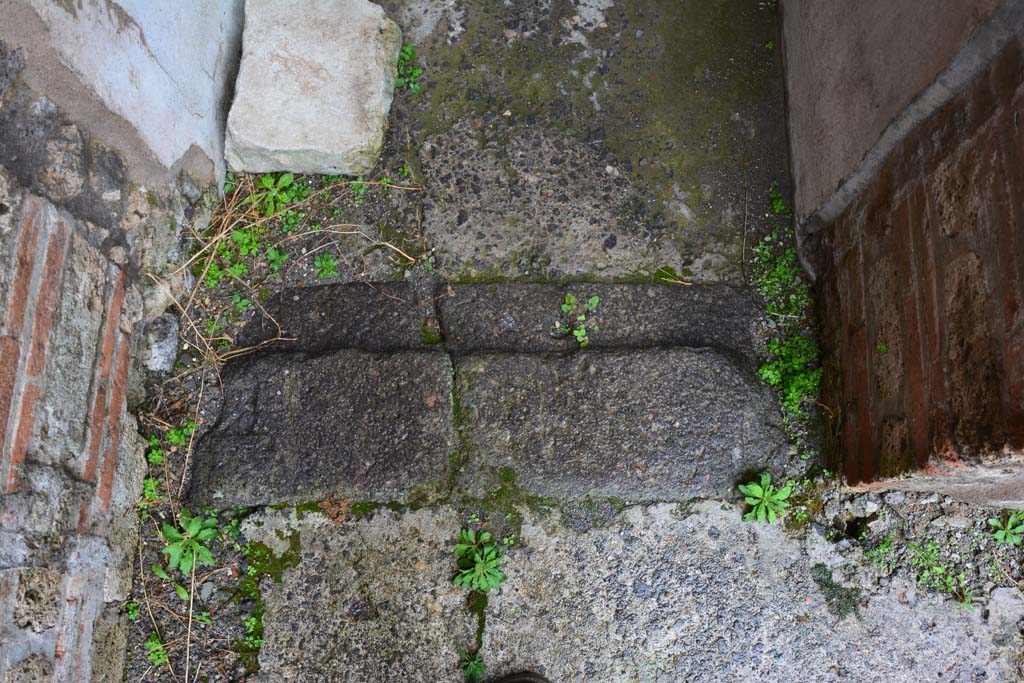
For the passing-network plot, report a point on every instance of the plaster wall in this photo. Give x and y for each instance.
(852, 68)
(163, 68)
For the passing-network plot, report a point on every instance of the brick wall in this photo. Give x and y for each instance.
(921, 286)
(69, 457)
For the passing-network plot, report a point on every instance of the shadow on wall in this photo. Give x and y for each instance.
(921, 279)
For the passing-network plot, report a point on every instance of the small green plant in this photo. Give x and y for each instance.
(204, 618)
(883, 554)
(473, 667)
(186, 543)
(179, 435)
(131, 608)
(575, 319)
(932, 571)
(254, 631)
(359, 190)
(150, 493)
(326, 266)
(230, 183)
(154, 453)
(766, 502)
(1010, 532)
(156, 653)
(478, 559)
(275, 259)
(794, 355)
(241, 303)
(882, 347)
(408, 73)
(792, 371)
(247, 240)
(272, 193)
(239, 269)
(214, 274)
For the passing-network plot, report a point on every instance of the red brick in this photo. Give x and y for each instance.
(99, 412)
(117, 398)
(111, 324)
(864, 456)
(913, 354)
(930, 277)
(46, 300)
(1008, 215)
(10, 354)
(22, 434)
(857, 377)
(21, 285)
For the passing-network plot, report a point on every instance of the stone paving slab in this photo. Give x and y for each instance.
(298, 427)
(370, 601)
(505, 316)
(381, 316)
(660, 596)
(511, 316)
(656, 594)
(663, 424)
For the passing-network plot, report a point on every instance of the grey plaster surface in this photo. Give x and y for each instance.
(832, 46)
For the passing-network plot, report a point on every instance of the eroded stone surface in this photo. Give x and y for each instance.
(301, 427)
(314, 87)
(371, 600)
(702, 596)
(382, 316)
(656, 593)
(520, 317)
(603, 139)
(665, 424)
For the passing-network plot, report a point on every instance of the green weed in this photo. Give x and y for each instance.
(359, 190)
(408, 73)
(326, 266)
(1010, 532)
(479, 561)
(275, 259)
(883, 555)
(794, 354)
(186, 542)
(766, 502)
(154, 453)
(473, 667)
(156, 653)
(932, 571)
(574, 313)
(272, 193)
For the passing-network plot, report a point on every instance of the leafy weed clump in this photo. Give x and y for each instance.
(408, 73)
(575, 319)
(1010, 532)
(479, 561)
(793, 366)
(766, 502)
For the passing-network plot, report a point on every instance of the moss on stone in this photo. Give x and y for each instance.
(841, 601)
